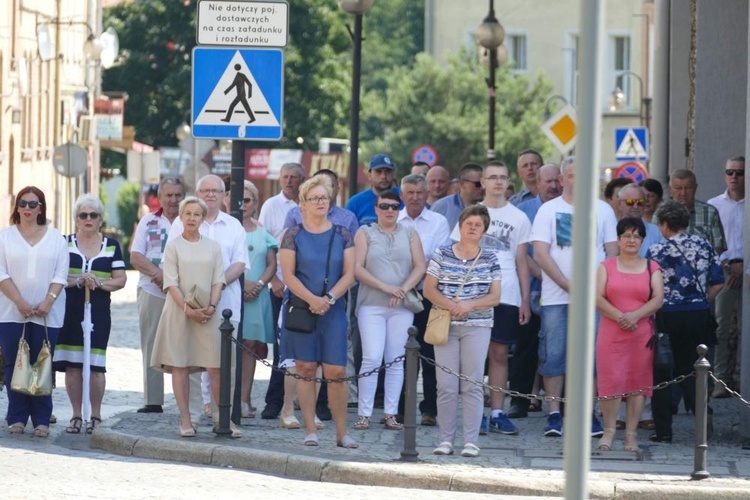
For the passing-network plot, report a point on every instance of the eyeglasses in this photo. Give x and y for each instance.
(495, 178)
(215, 192)
(32, 204)
(477, 184)
(731, 172)
(318, 199)
(88, 215)
(247, 200)
(389, 206)
(628, 236)
(630, 202)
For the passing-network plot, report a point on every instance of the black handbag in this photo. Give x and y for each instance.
(663, 358)
(299, 318)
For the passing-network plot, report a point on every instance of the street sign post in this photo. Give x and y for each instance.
(631, 144)
(561, 129)
(237, 93)
(239, 23)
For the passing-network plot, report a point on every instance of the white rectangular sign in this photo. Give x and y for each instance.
(242, 24)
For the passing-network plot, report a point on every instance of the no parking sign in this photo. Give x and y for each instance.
(631, 170)
(425, 153)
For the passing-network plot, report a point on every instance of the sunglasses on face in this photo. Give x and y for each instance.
(248, 200)
(630, 202)
(477, 184)
(388, 206)
(88, 215)
(31, 204)
(730, 172)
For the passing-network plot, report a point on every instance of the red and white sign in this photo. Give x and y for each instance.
(631, 170)
(425, 153)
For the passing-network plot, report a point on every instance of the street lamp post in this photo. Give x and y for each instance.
(490, 35)
(618, 100)
(357, 8)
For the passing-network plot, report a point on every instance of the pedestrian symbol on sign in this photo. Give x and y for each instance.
(240, 82)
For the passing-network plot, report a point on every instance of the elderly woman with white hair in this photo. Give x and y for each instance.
(96, 264)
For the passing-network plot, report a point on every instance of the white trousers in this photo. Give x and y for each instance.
(383, 331)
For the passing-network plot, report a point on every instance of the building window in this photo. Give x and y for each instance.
(516, 45)
(620, 64)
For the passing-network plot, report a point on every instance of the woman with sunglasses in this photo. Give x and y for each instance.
(389, 263)
(257, 326)
(95, 264)
(33, 272)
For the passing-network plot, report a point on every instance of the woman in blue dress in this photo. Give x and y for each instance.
(95, 263)
(257, 324)
(304, 262)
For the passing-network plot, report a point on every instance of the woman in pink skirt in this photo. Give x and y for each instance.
(629, 291)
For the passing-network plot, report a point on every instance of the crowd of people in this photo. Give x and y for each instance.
(334, 289)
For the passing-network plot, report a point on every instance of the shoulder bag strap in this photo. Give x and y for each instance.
(463, 282)
(328, 259)
(692, 269)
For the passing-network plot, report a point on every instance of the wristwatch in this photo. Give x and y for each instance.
(331, 298)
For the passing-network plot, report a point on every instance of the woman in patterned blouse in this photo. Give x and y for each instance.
(692, 278)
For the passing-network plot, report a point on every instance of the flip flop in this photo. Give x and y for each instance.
(347, 442)
(312, 440)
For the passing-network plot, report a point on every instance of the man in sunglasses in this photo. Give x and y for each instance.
(146, 255)
(470, 192)
(731, 207)
(631, 201)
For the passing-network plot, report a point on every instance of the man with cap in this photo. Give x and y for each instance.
(381, 174)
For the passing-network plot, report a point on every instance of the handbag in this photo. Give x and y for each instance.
(663, 359)
(2, 369)
(439, 320)
(197, 298)
(299, 318)
(36, 379)
(413, 301)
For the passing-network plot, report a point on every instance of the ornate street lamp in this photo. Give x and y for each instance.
(490, 35)
(356, 8)
(618, 100)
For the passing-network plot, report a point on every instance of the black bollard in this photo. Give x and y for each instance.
(226, 330)
(702, 366)
(410, 453)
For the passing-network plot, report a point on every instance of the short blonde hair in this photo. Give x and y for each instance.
(249, 186)
(313, 182)
(193, 199)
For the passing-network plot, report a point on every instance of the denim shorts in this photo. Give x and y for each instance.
(553, 337)
(505, 328)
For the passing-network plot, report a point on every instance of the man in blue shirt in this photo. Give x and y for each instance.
(470, 192)
(381, 174)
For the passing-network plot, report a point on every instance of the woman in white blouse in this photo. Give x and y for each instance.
(33, 272)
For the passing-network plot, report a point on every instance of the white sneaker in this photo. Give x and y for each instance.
(470, 450)
(445, 448)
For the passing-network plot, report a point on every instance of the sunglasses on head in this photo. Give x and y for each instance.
(88, 215)
(388, 206)
(31, 204)
(477, 184)
(630, 202)
(731, 172)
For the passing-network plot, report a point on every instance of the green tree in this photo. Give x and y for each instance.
(447, 106)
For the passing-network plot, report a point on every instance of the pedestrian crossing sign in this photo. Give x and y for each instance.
(631, 144)
(237, 93)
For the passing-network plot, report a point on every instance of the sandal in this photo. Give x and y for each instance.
(236, 433)
(75, 425)
(247, 410)
(347, 442)
(95, 421)
(187, 433)
(631, 441)
(391, 424)
(41, 431)
(16, 428)
(311, 440)
(363, 423)
(605, 442)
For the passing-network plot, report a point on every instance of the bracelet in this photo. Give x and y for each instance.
(262, 283)
(53, 295)
(212, 305)
(78, 282)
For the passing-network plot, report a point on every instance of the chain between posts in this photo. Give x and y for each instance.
(734, 394)
(240, 345)
(517, 394)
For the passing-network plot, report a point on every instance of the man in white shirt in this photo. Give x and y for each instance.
(273, 214)
(731, 207)
(508, 236)
(552, 234)
(229, 233)
(433, 230)
(146, 255)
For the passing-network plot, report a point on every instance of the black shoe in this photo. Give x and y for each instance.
(324, 413)
(660, 439)
(428, 420)
(270, 412)
(150, 409)
(517, 411)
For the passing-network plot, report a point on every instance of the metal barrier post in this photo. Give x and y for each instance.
(410, 453)
(226, 330)
(702, 366)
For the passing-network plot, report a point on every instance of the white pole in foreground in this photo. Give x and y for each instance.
(580, 347)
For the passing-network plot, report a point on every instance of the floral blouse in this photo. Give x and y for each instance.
(681, 290)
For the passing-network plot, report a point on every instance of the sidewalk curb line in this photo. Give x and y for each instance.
(399, 475)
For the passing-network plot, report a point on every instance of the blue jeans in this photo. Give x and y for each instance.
(553, 337)
(21, 406)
